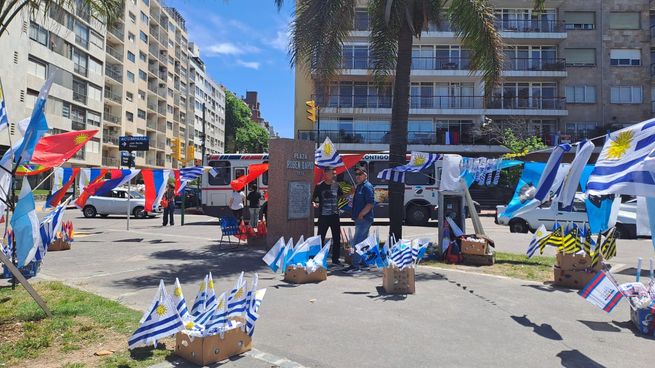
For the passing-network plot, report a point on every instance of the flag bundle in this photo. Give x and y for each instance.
(418, 162)
(50, 228)
(406, 253)
(161, 320)
(284, 254)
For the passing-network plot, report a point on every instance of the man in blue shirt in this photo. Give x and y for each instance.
(362, 212)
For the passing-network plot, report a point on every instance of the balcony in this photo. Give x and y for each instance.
(529, 103)
(84, 42)
(79, 96)
(152, 106)
(152, 125)
(112, 96)
(109, 117)
(529, 26)
(114, 74)
(154, 51)
(80, 69)
(152, 68)
(117, 32)
(118, 55)
(110, 139)
(110, 162)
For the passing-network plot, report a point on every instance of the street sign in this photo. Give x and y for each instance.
(134, 143)
(125, 158)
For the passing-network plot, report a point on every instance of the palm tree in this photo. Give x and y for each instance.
(9, 9)
(319, 28)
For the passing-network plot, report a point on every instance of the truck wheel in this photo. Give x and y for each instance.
(417, 216)
(518, 226)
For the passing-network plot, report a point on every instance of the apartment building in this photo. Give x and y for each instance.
(146, 82)
(64, 43)
(577, 69)
(205, 93)
(252, 100)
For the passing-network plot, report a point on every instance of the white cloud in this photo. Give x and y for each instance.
(249, 64)
(281, 40)
(228, 48)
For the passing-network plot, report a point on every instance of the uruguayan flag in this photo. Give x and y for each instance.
(326, 155)
(210, 303)
(180, 302)
(401, 254)
(160, 321)
(218, 320)
(4, 119)
(419, 248)
(419, 161)
(539, 236)
(253, 311)
(201, 299)
(625, 164)
(572, 181)
(320, 260)
(237, 300)
(272, 258)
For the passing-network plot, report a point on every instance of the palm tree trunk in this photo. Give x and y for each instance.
(399, 116)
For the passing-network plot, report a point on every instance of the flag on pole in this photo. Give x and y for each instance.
(571, 241)
(201, 299)
(418, 162)
(537, 240)
(54, 150)
(272, 257)
(180, 302)
(625, 164)
(50, 225)
(160, 320)
(186, 175)
(218, 320)
(64, 179)
(101, 186)
(602, 291)
(155, 182)
(572, 181)
(320, 260)
(37, 127)
(326, 155)
(4, 117)
(25, 225)
(252, 313)
(237, 300)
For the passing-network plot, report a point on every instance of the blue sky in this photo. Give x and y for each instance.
(244, 46)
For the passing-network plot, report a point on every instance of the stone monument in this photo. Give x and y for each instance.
(290, 187)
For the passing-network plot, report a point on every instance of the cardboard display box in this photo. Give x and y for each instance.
(300, 275)
(479, 260)
(576, 262)
(211, 349)
(644, 320)
(59, 244)
(478, 248)
(395, 281)
(572, 279)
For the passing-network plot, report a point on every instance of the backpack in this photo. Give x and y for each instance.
(453, 254)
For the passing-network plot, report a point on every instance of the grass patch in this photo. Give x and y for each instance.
(519, 266)
(82, 324)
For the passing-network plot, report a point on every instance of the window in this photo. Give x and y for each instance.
(81, 34)
(93, 145)
(38, 34)
(95, 93)
(142, 95)
(626, 95)
(131, 57)
(79, 91)
(579, 130)
(96, 39)
(361, 20)
(79, 62)
(144, 17)
(580, 94)
(130, 76)
(142, 56)
(580, 20)
(130, 37)
(625, 57)
(93, 118)
(140, 114)
(132, 17)
(624, 20)
(66, 110)
(143, 36)
(95, 66)
(129, 116)
(580, 57)
(37, 67)
(142, 75)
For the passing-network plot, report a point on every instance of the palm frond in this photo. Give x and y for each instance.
(473, 21)
(318, 31)
(386, 17)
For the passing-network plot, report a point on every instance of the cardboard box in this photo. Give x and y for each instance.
(300, 275)
(211, 349)
(479, 260)
(474, 247)
(644, 320)
(395, 281)
(572, 279)
(576, 262)
(59, 244)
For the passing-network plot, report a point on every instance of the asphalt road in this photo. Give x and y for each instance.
(456, 319)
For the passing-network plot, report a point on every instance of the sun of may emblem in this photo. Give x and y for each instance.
(419, 160)
(220, 304)
(202, 286)
(620, 145)
(161, 310)
(328, 149)
(239, 294)
(211, 284)
(539, 233)
(189, 325)
(178, 292)
(80, 138)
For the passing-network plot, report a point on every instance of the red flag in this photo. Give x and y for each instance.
(91, 189)
(254, 171)
(177, 181)
(348, 162)
(54, 150)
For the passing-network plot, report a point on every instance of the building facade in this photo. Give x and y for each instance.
(205, 93)
(577, 69)
(252, 100)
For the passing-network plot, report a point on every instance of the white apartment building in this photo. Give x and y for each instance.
(205, 92)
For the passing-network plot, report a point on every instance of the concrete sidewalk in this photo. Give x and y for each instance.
(455, 319)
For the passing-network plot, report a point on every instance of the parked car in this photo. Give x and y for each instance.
(626, 223)
(191, 196)
(115, 203)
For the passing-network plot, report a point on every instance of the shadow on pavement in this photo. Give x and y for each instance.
(600, 326)
(628, 325)
(575, 359)
(383, 296)
(549, 288)
(544, 330)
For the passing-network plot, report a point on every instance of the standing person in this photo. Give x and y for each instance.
(362, 212)
(325, 200)
(253, 205)
(169, 199)
(237, 202)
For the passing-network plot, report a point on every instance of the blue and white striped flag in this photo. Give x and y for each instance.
(253, 311)
(201, 299)
(625, 164)
(161, 320)
(180, 302)
(237, 300)
(550, 172)
(4, 118)
(572, 181)
(50, 226)
(188, 174)
(218, 320)
(272, 257)
(535, 243)
(401, 255)
(418, 162)
(326, 155)
(210, 303)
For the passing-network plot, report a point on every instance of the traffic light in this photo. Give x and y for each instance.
(312, 111)
(190, 153)
(177, 149)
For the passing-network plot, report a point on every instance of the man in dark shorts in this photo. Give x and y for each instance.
(325, 200)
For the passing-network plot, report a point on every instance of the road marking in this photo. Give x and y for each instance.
(273, 359)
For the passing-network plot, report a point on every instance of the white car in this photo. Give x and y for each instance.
(115, 203)
(626, 223)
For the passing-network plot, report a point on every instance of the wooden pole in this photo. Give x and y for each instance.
(18, 276)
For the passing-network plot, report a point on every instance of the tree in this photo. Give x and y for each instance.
(252, 138)
(513, 135)
(319, 28)
(109, 10)
(237, 115)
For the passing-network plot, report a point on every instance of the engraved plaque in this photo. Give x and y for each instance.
(299, 200)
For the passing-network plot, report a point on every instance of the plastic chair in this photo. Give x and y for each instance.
(229, 228)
